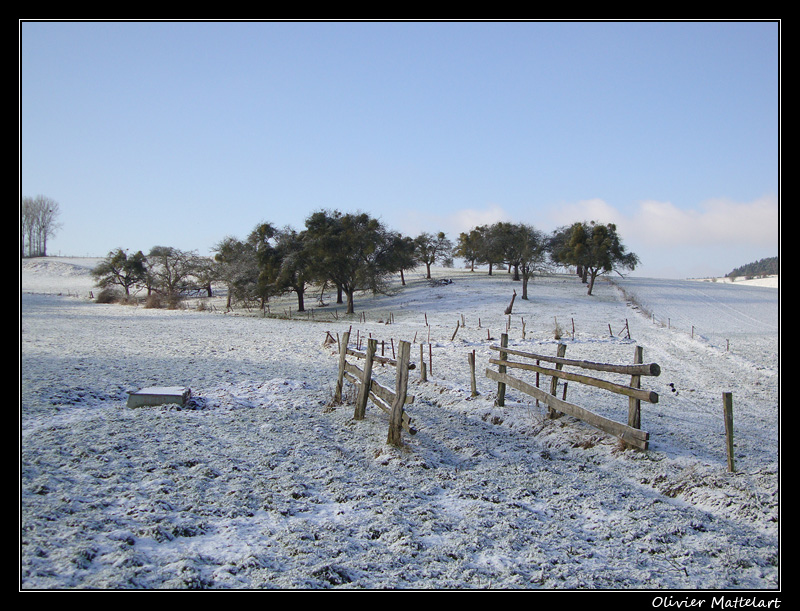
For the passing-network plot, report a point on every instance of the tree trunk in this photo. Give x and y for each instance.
(592, 277)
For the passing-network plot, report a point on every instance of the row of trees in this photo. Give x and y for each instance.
(591, 248)
(355, 252)
(351, 252)
(165, 272)
(38, 222)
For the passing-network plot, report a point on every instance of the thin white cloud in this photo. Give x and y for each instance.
(585, 210)
(464, 220)
(715, 222)
(415, 222)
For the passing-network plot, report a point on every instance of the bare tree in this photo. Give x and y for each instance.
(38, 223)
(237, 266)
(170, 272)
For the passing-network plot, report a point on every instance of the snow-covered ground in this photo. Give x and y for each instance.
(261, 483)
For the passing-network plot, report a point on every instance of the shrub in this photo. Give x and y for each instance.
(107, 296)
(153, 301)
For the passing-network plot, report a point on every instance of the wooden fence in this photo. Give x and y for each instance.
(630, 433)
(393, 402)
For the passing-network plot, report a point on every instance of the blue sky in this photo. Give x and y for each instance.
(183, 133)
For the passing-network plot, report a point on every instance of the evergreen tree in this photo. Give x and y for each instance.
(763, 267)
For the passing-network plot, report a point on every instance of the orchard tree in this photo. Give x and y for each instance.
(119, 269)
(401, 255)
(507, 244)
(429, 249)
(236, 264)
(351, 251)
(595, 248)
(294, 271)
(263, 239)
(532, 254)
(205, 273)
(490, 251)
(470, 246)
(169, 271)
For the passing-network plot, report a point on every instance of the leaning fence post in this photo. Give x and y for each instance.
(337, 397)
(501, 387)
(401, 390)
(727, 406)
(366, 381)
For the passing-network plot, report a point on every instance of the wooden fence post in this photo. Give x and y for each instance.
(337, 397)
(635, 405)
(727, 406)
(366, 382)
(401, 390)
(501, 387)
(562, 350)
(423, 370)
(473, 383)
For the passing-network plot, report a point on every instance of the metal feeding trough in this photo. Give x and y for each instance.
(159, 395)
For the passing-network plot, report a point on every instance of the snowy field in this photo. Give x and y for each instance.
(260, 483)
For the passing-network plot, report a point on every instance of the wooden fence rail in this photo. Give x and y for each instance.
(392, 402)
(630, 433)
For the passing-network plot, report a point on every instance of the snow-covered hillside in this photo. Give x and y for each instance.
(261, 483)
